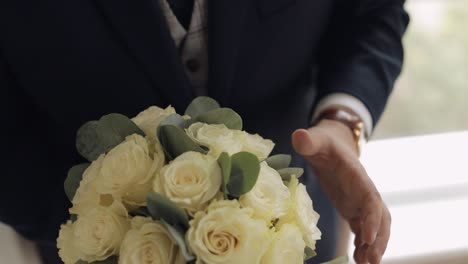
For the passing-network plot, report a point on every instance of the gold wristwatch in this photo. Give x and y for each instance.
(348, 118)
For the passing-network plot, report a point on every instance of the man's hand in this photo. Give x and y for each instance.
(331, 151)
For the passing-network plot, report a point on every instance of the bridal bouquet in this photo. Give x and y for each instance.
(165, 188)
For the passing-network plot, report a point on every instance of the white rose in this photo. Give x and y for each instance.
(257, 145)
(287, 247)
(218, 138)
(157, 152)
(227, 234)
(302, 213)
(68, 252)
(86, 196)
(127, 171)
(190, 181)
(149, 242)
(96, 234)
(269, 198)
(149, 119)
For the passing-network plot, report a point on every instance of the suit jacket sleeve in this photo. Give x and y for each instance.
(32, 200)
(362, 51)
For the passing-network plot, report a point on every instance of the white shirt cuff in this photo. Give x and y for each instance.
(349, 101)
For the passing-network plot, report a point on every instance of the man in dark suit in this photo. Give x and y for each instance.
(325, 65)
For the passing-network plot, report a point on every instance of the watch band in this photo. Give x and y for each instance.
(348, 118)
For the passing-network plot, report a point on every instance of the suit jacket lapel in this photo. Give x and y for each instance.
(226, 22)
(142, 27)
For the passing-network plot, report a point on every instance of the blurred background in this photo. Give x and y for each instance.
(418, 155)
(431, 95)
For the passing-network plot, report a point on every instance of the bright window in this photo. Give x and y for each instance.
(424, 178)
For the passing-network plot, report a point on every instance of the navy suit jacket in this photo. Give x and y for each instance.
(66, 62)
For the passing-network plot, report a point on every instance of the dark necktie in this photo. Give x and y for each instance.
(182, 9)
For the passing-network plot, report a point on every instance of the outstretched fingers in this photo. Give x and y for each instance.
(372, 217)
(377, 249)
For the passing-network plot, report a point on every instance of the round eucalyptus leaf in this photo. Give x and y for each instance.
(175, 141)
(72, 182)
(122, 125)
(140, 211)
(226, 116)
(98, 137)
(224, 162)
(201, 105)
(286, 173)
(279, 161)
(161, 208)
(92, 140)
(245, 168)
(178, 237)
(174, 119)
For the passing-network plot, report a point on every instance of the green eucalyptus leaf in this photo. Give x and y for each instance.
(224, 162)
(98, 137)
(174, 119)
(121, 125)
(226, 116)
(286, 173)
(245, 168)
(338, 260)
(309, 253)
(72, 182)
(92, 140)
(279, 161)
(175, 141)
(161, 208)
(140, 211)
(201, 105)
(178, 237)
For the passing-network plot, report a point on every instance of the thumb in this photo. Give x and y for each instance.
(309, 142)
